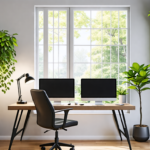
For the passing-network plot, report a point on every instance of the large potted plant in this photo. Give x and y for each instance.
(7, 59)
(138, 77)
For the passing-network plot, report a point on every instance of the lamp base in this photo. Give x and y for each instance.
(22, 102)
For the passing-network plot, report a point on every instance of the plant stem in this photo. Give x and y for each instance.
(140, 108)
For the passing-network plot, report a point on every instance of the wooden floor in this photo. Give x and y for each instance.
(79, 145)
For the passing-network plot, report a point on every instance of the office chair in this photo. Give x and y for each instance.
(46, 118)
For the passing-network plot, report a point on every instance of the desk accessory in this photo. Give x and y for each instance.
(81, 104)
(28, 79)
(120, 104)
(76, 103)
(69, 103)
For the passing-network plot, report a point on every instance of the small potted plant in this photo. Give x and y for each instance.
(122, 92)
(138, 77)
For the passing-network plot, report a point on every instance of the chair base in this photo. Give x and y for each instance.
(56, 145)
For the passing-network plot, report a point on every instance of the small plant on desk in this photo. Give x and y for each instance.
(122, 92)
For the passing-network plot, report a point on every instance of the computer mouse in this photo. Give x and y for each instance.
(69, 103)
(81, 104)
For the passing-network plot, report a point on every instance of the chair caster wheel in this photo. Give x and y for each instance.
(72, 148)
(43, 148)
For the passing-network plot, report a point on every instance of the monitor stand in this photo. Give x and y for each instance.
(57, 103)
(98, 103)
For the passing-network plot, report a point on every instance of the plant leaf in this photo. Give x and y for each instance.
(145, 80)
(146, 88)
(15, 44)
(15, 34)
(136, 66)
(142, 73)
(132, 87)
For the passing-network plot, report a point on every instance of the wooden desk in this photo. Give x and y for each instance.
(30, 106)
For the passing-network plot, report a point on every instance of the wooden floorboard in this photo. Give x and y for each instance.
(79, 145)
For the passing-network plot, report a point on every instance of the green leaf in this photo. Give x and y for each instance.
(132, 87)
(14, 39)
(7, 43)
(145, 80)
(141, 66)
(142, 73)
(136, 66)
(133, 69)
(146, 88)
(15, 44)
(131, 73)
(125, 72)
(127, 82)
(15, 34)
(1, 34)
(3, 39)
(5, 48)
(2, 44)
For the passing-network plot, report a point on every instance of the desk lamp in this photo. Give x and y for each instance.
(28, 79)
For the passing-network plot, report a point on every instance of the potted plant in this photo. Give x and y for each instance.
(7, 59)
(138, 77)
(122, 92)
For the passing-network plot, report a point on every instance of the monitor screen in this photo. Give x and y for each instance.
(98, 88)
(57, 88)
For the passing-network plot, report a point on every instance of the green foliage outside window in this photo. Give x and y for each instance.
(7, 59)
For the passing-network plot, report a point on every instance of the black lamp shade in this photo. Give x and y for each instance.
(28, 78)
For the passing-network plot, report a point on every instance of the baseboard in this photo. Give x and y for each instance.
(65, 138)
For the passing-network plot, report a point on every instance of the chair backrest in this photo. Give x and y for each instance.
(45, 110)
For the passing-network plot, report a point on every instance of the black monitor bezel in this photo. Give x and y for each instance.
(60, 79)
(99, 79)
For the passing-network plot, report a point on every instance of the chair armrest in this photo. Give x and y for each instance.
(65, 116)
(63, 110)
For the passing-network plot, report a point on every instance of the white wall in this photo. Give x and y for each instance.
(18, 17)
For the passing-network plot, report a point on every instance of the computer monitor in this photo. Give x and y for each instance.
(98, 90)
(58, 89)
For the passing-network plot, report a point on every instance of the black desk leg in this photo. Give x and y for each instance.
(16, 125)
(117, 124)
(25, 124)
(124, 125)
(125, 128)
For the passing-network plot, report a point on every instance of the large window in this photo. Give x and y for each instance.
(82, 43)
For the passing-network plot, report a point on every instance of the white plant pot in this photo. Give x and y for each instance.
(122, 99)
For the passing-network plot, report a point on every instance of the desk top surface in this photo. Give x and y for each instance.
(31, 106)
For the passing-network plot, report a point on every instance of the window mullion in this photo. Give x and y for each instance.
(45, 43)
(110, 39)
(71, 39)
(58, 44)
(118, 46)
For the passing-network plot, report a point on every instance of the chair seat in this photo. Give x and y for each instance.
(69, 123)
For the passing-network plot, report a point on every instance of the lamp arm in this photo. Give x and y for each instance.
(19, 88)
(21, 77)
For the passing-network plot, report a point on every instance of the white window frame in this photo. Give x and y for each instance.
(70, 41)
(45, 38)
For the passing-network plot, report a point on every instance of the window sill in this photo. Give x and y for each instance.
(89, 112)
